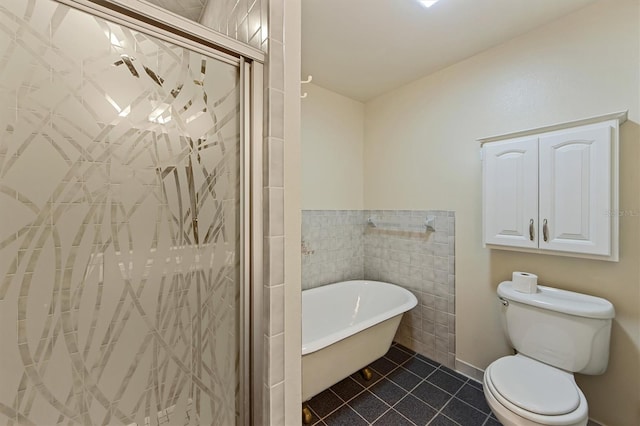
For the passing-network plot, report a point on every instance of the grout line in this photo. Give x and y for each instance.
(394, 383)
(359, 415)
(410, 355)
(415, 374)
(446, 403)
(410, 390)
(404, 397)
(386, 411)
(337, 408)
(464, 380)
(465, 402)
(486, 420)
(381, 400)
(393, 369)
(314, 412)
(423, 401)
(478, 383)
(355, 395)
(446, 417)
(393, 409)
(390, 371)
(405, 392)
(397, 345)
(402, 415)
(381, 415)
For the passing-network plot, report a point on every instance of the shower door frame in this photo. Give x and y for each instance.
(173, 28)
(164, 23)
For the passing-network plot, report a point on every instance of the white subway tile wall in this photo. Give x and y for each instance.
(392, 246)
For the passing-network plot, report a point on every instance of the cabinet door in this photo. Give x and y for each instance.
(510, 192)
(575, 190)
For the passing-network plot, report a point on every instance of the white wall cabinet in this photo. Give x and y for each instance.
(554, 190)
(511, 192)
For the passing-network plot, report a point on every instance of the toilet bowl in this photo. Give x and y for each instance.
(525, 392)
(556, 333)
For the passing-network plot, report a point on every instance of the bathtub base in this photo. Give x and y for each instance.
(327, 366)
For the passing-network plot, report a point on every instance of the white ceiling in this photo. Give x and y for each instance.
(363, 48)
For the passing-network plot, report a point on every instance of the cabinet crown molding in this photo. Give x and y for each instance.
(621, 116)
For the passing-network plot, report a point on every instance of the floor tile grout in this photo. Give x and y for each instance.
(366, 387)
(381, 415)
(384, 402)
(360, 415)
(360, 392)
(438, 412)
(453, 396)
(443, 406)
(402, 415)
(336, 409)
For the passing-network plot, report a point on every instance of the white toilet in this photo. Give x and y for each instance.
(556, 333)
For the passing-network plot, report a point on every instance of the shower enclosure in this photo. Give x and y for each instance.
(125, 202)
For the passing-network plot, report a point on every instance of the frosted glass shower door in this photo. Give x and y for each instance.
(119, 225)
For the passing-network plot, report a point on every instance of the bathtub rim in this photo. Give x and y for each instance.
(318, 344)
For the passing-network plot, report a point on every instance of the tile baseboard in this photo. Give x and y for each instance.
(469, 370)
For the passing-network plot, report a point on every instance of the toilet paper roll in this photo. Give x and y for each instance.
(525, 282)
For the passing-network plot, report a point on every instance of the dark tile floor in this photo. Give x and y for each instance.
(406, 389)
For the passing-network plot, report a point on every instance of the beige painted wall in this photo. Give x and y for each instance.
(421, 153)
(332, 150)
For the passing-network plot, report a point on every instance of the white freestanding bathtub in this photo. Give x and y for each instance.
(346, 326)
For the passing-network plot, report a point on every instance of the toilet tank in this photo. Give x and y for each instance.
(567, 330)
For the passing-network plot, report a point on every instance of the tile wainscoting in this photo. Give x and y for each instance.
(332, 246)
(340, 245)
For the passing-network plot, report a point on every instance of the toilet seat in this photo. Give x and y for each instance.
(535, 387)
(535, 391)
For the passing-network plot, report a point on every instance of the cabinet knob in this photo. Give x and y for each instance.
(545, 230)
(531, 230)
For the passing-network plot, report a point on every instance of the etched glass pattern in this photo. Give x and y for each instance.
(119, 225)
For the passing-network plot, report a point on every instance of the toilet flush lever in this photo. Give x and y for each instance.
(504, 301)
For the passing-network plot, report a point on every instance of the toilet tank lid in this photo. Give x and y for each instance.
(555, 299)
